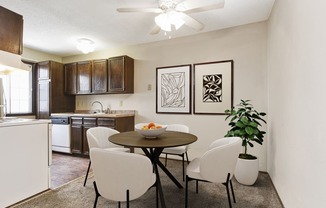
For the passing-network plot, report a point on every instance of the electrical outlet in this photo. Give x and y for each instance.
(121, 103)
(149, 87)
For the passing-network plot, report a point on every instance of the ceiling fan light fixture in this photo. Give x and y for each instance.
(175, 19)
(85, 45)
(163, 21)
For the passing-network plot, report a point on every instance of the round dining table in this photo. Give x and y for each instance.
(153, 147)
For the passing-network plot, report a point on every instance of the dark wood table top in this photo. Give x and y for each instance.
(167, 139)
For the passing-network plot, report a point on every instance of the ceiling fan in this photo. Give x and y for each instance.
(176, 13)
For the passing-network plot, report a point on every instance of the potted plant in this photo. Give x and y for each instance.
(245, 123)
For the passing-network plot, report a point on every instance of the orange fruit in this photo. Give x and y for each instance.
(150, 125)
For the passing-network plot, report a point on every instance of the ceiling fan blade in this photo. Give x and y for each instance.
(191, 22)
(156, 29)
(148, 10)
(193, 6)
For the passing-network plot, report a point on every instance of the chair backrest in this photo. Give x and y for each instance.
(115, 172)
(99, 137)
(220, 159)
(178, 127)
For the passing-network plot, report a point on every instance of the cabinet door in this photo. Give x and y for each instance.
(60, 102)
(84, 77)
(70, 78)
(99, 76)
(43, 99)
(11, 35)
(124, 124)
(87, 124)
(76, 135)
(121, 75)
(76, 139)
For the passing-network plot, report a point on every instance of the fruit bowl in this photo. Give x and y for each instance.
(150, 130)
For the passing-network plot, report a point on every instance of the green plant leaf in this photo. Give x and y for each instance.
(244, 120)
(240, 124)
(249, 130)
(258, 141)
(253, 124)
(250, 144)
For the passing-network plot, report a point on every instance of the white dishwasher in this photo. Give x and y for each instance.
(61, 134)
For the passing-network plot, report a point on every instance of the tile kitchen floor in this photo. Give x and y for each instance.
(66, 168)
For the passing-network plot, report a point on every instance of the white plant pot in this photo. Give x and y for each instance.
(246, 171)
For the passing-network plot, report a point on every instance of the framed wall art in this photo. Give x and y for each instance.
(213, 87)
(173, 89)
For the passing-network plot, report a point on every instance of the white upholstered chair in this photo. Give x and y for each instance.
(181, 150)
(98, 137)
(121, 176)
(217, 165)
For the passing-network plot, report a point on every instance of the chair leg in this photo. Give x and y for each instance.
(119, 204)
(187, 158)
(97, 194)
(183, 167)
(156, 195)
(232, 191)
(89, 165)
(186, 198)
(166, 159)
(127, 198)
(196, 186)
(226, 184)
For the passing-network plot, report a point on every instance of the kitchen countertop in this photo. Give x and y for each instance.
(112, 114)
(14, 121)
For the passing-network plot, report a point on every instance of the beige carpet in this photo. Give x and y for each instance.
(73, 194)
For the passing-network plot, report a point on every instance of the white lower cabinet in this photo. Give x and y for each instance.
(24, 161)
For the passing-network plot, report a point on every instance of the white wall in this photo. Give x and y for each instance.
(246, 45)
(297, 100)
(37, 56)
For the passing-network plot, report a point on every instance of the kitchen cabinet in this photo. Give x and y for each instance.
(121, 74)
(99, 76)
(80, 125)
(76, 135)
(25, 160)
(11, 32)
(112, 76)
(84, 77)
(50, 90)
(87, 124)
(70, 78)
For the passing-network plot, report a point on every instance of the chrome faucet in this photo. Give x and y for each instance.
(98, 103)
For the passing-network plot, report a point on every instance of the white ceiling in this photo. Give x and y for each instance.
(53, 26)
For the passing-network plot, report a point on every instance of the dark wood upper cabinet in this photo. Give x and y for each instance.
(112, 76)
(70, 78)
(11, 31)
(84, 77)
(99, 76)
(50, 90)
(121, 74)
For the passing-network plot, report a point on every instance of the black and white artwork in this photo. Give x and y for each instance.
(173, 91)
(213, 87)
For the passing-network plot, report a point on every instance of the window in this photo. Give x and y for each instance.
(18, 89)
